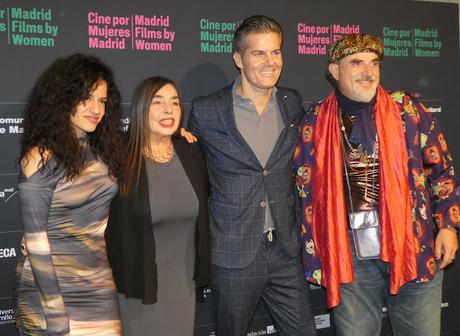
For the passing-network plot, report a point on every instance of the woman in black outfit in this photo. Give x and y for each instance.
(158, 231)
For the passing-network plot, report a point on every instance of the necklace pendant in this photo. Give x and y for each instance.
(354, 155)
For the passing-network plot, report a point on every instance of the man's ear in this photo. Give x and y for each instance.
(334, 70)
(237, 60)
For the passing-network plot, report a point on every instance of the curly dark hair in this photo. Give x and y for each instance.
(67, 82)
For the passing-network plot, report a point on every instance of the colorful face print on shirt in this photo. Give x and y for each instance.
(297, 152)
(307, 133)
(305, 174)
(454, 213)
(419, 229)
(411, 110)
(419, 179)
(442, 142)
(317, 277)
(439, 219)
(431, 266)
(446, 187)
(310, 247)
(432, 153)
(309, 214)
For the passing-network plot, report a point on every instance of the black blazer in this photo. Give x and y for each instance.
(129, 234)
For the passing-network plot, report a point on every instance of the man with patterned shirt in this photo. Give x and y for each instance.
(379, 200)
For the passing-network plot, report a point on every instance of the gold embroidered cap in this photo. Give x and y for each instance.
(356, 43)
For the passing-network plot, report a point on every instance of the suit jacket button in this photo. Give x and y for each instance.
(265, 172)
(262, 204)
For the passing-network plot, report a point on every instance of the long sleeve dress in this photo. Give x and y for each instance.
(64, 284)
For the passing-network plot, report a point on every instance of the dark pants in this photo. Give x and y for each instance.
(274, 277)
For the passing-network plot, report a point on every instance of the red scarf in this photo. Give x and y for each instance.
(330, 228)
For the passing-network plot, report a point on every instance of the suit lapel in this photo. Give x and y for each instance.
(284, 110)
(228, 117)
(282, 103)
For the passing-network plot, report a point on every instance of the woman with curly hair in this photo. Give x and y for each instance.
(71, 158)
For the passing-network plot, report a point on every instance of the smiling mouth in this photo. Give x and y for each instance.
(269, 71)
(93, 120)
(366, 82)
(169, 122)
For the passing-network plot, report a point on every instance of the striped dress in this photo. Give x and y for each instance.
(64, 284)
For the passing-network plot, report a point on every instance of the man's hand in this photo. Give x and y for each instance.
(446, 245)
(187, 135)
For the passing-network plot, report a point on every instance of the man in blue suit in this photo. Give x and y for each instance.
(248, 131)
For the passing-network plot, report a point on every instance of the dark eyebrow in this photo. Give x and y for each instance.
(160, 96)
(355, 60)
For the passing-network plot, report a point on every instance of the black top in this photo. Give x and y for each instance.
(129, 235)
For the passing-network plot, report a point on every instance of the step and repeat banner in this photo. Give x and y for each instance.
(190, 42)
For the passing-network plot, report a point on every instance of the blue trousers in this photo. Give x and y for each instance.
(415, 311)
(273, 277)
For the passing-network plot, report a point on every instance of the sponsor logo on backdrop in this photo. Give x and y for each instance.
(131, 32)
(11, 126)
(7, 252)
(434, 109)
(217, 36)
(414, 42)
(6, 316)
(313, 39)
(323, 321)
(3, 20)
(269, 330)
(125, 124)
(31, 27)
(6, 194)
(431, 109)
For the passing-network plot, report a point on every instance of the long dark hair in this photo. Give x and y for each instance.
(139, 132)
(55, 96)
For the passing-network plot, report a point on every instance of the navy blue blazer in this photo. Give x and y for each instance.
(240, 185)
